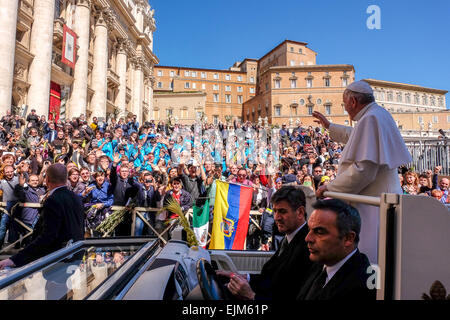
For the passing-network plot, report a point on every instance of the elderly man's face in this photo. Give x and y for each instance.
(444, 184)
(350, 105)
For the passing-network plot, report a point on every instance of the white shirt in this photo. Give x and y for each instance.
(291, 235)
(331, 270)
(289, 238)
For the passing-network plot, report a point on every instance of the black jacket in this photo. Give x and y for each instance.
(62, 219)
(282, 276)
(349, 283)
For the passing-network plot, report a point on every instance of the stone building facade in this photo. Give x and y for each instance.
(290, 86)
(225, 90)
(113, 70)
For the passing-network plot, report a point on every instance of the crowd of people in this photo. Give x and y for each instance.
(117, 162)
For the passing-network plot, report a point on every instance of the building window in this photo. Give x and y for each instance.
(277, 111)
(382, 97)
(194, 74)
(432, 101)
(203, 75)
(390, 96)
(277, 84)
(344, 82)
(216, 76)
(160, 73)
(239, 89)
(300, 50)
(203, 86)
(267, 86)
(319, 101)
(239, 78)
(292, 49)
(408, 98)
(227, 88)
(327, 82)
(302, 102)
(215, 120)
(399, 97)
(252, 79)
(416, 99)
(292, 63)
(215, 87)
(252, 90)
(240, 99)
(328, 110)
(293, 111)
(441, 102)
(228, 98)
(187, 73)
(420, 119)
(448, 119)
(309, 83)
(172, 74)
(425, 100)
(216, 97)
(169, 112)
(228, 77)
(293, 83)
(160, 85)
(194, 86)
(171, 85)
(310, 110)
(186, 85)
(435, 119)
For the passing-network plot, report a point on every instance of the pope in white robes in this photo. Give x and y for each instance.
(374, 150)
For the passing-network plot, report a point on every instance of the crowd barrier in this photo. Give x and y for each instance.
(136, 212)
(428, 154)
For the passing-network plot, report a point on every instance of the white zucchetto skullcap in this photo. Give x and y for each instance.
(361, 87)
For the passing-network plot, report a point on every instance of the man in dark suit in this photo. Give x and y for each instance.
(287, 270)
(62, 220)
(342, 271)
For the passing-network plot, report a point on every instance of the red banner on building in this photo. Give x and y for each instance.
(55, 101)
(69, 47)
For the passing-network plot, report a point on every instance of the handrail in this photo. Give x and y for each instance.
(37, 265)
(374, 201)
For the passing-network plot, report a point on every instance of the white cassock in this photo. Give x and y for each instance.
(374, 150)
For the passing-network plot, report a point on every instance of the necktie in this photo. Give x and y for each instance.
(284, 245)
(317, 286)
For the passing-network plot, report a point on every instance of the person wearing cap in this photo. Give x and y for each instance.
(368, 166)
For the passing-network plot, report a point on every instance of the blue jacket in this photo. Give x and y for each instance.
(28, 194)
(100, 195)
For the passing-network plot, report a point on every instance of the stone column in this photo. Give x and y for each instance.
(41, 46)
(100, 69)
(151, 84)
(8, 24)
(138, 85)
(121, 100)
(78, 97)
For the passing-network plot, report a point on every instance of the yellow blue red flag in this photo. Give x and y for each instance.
(231, 216)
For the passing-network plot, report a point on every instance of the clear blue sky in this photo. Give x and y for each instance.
(413, 45)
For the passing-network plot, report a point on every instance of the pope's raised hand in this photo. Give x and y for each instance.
(321, 119)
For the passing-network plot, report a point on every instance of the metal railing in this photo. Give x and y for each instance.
(135, 212)
(428, 154)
